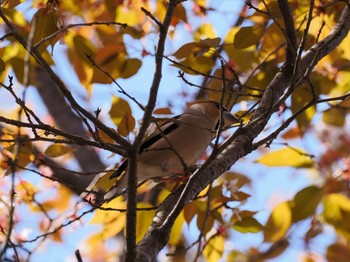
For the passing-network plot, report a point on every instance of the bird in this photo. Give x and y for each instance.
(176, 145)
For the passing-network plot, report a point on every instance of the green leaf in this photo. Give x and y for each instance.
(278, 223)
(248, 225)
(334, 116)
(286, 157)
(305, 202)
(57, 150)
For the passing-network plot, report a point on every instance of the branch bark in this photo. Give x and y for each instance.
(240, 143)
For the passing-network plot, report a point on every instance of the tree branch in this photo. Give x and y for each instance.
(240, 143)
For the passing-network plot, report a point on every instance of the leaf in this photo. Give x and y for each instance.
(195, 65)
(338, 252)
(204, 222)
(214, 249)
(334, 116)
(144, 220)
(278, 223)
(119, 110)
(163, 111)
(336, 211)
(305, 202)
(246, 37)
(126, 125)
(239, 215)
(300, 98)
(102, 216)
(176, 231)
(190, 211)
(57, 150)
(2, 65)
(197, 49)
(286, 157)
(247, 225)
(130, 68)
(204, 30)
(45, 23)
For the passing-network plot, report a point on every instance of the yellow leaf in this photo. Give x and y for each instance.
(144, 220)
(278, 223)
(336, 211)
(57, 150)
(176, 231)
(103, 216)
(286, 157)
(204, 31)
(120, 108)
(214, 249)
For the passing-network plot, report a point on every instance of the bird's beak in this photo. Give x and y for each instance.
(230, 119)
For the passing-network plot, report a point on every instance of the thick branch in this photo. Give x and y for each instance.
(158, 234)
(131, 254)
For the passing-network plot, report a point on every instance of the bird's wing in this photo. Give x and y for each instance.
(165, 129)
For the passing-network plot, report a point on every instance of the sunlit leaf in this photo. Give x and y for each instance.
(103, 216)
(176, 231)
(248, 225)
(336, 211)
(214, 249)
(278, 223)
(286, 157)
(204, 31)
(144, 220)
(305, 202)
(57, 150)
(119, 110)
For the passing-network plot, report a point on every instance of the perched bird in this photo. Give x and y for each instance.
(176, 145)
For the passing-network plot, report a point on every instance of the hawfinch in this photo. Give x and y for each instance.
(176, 145)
